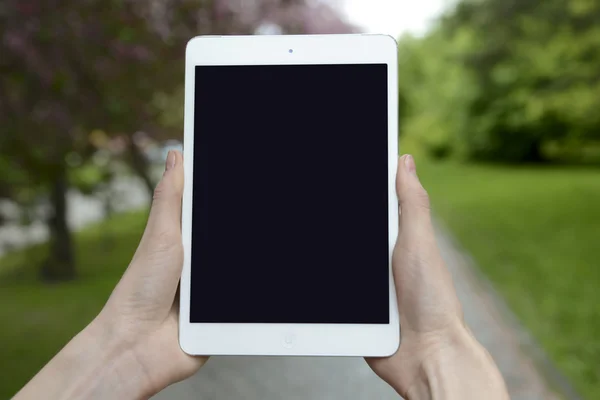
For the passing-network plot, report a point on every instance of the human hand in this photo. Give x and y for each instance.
(437, 348)
(131, 349)
(142, 312)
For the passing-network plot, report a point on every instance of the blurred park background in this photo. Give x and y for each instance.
(499, 103)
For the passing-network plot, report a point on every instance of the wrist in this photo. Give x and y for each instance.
(114, 370)
(93, 365)
(458, 368)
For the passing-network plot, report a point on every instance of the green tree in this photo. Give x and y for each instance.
(510, 76)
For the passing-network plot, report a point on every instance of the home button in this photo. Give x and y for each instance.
(288, 340)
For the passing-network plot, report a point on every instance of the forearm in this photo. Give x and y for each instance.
(91, 366)
(463, 370)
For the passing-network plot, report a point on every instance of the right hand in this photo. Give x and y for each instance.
(430, 312)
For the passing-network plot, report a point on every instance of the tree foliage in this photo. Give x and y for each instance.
(500, 79)
(71, 69)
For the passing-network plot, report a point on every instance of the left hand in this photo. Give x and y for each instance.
(131, 350)
(143, 309)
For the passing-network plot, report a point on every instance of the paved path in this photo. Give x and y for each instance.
(487, 318)
(270, 378)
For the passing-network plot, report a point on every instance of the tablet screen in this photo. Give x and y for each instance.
(290, 195)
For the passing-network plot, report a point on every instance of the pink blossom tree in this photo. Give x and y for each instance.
(70, 68)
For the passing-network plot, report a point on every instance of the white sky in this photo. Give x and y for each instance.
(393, 17)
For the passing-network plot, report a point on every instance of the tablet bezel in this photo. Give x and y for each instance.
(288, 339)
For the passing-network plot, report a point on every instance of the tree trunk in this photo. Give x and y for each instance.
(533, 153)
(60, 265)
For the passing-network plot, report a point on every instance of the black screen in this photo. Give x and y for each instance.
(290, 199)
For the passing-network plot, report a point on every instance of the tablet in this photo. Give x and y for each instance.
(290, 212)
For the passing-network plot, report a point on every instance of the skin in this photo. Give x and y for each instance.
(131, 351)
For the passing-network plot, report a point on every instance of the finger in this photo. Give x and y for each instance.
(163, 229)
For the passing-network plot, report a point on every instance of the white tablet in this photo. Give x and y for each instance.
(290, 212)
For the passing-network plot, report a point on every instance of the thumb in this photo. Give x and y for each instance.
(152, 276)
(163, 230)
(412, 196)
(426, 292)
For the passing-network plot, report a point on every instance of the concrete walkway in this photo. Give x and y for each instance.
(270, 378)
(491, 323)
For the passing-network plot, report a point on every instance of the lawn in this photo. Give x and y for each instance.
(38, 319)
(535, 232)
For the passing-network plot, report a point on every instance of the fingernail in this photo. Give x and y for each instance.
(409, 162)
(170, 163)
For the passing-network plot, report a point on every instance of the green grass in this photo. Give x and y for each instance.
(535, 232)
(39, 319)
